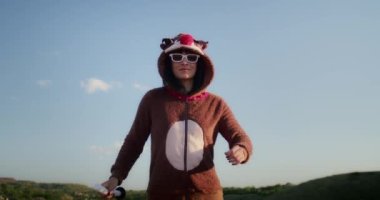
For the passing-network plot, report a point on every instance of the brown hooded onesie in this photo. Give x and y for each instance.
(183, 130)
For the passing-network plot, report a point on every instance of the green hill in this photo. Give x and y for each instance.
(44, 191)
(253, 193)
(10, 189)
(352, 186)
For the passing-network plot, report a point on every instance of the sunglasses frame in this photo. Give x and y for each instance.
(183, 56)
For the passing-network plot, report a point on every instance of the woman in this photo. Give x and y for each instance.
(183, 120)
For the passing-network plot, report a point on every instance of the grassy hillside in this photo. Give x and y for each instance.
(42, 191)
(25, 190)
(352, 186)
(253, 193)
(13, 189)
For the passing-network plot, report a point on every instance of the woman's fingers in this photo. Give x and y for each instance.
(110, 185)
(236, 155)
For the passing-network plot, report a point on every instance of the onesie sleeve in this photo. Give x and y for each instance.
(134, 142)
(232, 131)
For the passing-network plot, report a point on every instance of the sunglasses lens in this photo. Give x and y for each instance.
(177, 57)
(192, 58)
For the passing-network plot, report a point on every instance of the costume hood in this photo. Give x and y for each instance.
(186, 42)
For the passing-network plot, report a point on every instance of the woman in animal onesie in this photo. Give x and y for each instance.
(183, 120)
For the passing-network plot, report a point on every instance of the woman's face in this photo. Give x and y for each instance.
(184, 65)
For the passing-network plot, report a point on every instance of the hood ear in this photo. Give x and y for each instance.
(201, 44)
(166, 42)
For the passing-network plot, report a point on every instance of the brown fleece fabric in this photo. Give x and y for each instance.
(157, 112)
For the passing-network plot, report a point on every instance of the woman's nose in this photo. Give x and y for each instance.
(185, 62)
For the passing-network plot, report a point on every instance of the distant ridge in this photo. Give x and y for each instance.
(7, 180)
(11, 189)
(351, 186)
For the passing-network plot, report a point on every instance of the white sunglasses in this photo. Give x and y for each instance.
(178, 57)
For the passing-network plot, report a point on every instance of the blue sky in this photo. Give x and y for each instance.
(302, 78)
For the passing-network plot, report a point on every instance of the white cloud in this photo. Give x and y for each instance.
(117, 145)
(92, 85)
(102, 151)
(140, 87)
(43, 83)
(112, 150)
(116, 84)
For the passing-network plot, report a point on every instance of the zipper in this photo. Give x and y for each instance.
(186, 133)
(187, 195)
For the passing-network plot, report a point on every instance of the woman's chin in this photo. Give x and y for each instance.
(185, 77)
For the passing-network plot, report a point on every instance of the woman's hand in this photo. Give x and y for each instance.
(236, 155)
(110, 185)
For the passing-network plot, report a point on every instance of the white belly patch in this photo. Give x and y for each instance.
(175, 145)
